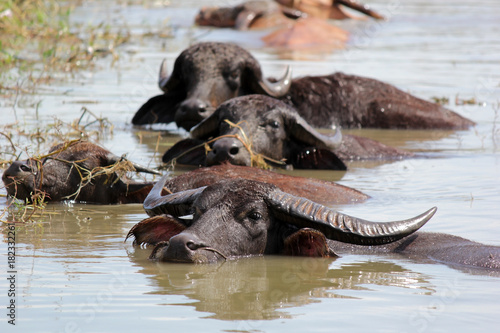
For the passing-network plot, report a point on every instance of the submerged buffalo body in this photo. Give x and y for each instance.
(244, 128)
(321, 191)
(235, 218)
(75, 171)
(209, 73)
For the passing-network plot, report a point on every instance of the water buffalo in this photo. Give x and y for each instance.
(207, 74)
(240, 217)
(76, 170)
(249, 14)
(329, 9)
(292, 33)
(248, 127)
(265, 14)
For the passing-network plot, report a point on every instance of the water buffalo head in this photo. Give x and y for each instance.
(204, 76)
(242, 217)
(76, 170)
(249, 125)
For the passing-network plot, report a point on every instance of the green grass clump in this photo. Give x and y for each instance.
(36, 37)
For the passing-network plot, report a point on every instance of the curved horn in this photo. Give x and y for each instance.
(302, 131)
(337, 226)
(207, 128)
(176, 204)
(362, 8)
(163, 75)
(166, 82)
(279, 88)
(112, 159)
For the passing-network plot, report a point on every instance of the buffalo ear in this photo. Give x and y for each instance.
(307, 242)
(314, 158)
(304, 133)
(207, 128)
(187, 151)
(159, 109)
(154, 230)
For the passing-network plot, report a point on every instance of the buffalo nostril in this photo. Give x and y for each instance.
(234, 151)
(191, 245)
(193, 106)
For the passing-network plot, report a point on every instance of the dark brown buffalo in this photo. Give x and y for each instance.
(249, 14)
(329, 9)
(266, 14)
(245, 129)
(207, 74)
(235, 218)
(75, 171)
(241, 217)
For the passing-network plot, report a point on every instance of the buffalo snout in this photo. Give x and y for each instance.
(19, 178)
(229, 150)
(18, 168)
(187, 247)
(191, 112)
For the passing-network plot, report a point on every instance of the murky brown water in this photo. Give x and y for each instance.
(75, 273)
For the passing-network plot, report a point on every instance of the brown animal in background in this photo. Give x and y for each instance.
(207, 74)
(267, 14)
(329, 9)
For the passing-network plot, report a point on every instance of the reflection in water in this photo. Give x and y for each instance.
(261, 288)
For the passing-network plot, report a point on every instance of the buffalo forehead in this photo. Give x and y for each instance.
(232, 192)
(212, 58)
(250, 106)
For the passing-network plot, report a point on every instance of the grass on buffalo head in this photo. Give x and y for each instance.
(17, 140)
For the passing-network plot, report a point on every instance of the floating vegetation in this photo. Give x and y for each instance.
(20, 139)
(469, 101)
(440, 100)
(24, 211)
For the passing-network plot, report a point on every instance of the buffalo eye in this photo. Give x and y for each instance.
(233, 78)
(274, 124)
(234, 74)
(255, 216)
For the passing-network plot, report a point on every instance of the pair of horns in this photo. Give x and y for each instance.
(276, 89)
(300, 212)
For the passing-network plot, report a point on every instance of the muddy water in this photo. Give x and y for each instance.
(75, 273)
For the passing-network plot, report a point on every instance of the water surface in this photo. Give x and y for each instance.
(76, 274)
